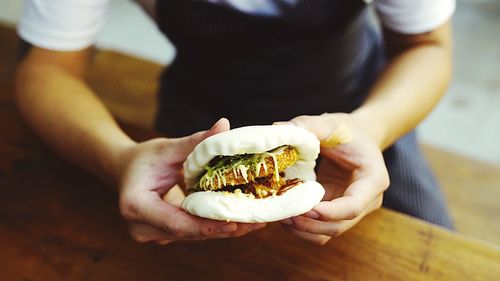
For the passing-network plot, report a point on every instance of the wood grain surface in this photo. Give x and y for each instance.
(471, 187)
(59, 223)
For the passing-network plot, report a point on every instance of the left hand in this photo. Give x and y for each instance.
(354, 176)
(149, 197)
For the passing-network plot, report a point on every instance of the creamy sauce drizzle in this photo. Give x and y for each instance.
(208, 181)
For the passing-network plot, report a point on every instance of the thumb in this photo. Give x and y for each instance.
(330, 131)
(220, 126)
(314, 124)
(187, 144)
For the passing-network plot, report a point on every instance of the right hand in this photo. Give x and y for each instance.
(148, 171)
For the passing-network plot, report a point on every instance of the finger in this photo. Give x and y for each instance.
(330, 136)
(174, 196)
(220, 126)
(283, 123)
(177, 223)
(341, 135)
(163, 242)
(245, 228)
(143, 233)
(332, 228)
(312, 215)
(318, 239)
(307, 122)
(187, 144)
(354, 201)
(313, 124)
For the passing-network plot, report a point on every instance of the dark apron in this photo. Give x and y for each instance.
(317, 56)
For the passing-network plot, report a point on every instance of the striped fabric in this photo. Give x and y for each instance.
(321, 56)
(414, 189)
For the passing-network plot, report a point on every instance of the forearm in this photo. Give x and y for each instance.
(70, 118)
(406, 91)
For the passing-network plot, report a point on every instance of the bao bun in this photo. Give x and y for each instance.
(240, 207)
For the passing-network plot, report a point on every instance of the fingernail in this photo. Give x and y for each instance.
(228, 227)
(258, 226)
(311, 215)
(287, 221)
(215, 125)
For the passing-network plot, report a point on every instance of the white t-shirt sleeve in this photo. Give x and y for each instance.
(62, 25)
(414, 16)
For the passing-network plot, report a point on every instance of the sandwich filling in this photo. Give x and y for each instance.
(260, 175)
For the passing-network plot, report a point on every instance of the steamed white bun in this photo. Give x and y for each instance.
(245, 208)
(255, 139)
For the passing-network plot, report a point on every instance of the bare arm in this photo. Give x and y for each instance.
(54, 98)
(354, 175)
(416, 77)
(56, 101)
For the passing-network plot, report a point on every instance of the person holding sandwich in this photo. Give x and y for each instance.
(315, 64)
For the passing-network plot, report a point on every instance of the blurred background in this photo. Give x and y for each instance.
(461, 137)
(467, 121)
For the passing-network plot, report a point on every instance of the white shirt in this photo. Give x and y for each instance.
(68, 25)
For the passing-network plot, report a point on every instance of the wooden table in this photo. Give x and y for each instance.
(59, 223)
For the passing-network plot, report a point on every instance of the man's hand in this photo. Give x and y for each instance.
(353, 174)
(149, 202)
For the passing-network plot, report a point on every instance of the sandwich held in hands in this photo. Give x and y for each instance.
(253, 174)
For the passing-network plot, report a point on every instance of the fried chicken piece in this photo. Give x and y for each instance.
(263, 187)
(244, 175)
